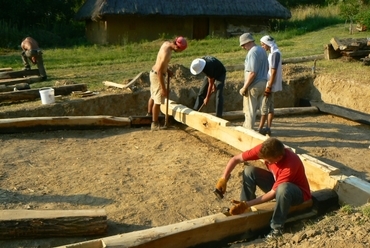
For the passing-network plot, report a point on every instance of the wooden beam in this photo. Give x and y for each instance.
(349, 44)
(239, 137)
(9, 88)
(19, 74)
(358, 53)
(342, 112)
(330, 53)
(213, 228)
(353, 191)
(6, 69)
(319, 174)
(123, 86)
(33, 94)
(14, 125)
(29, 80)
(51, 223)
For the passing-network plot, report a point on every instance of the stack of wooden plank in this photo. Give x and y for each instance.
(15, 86)
(356, 48)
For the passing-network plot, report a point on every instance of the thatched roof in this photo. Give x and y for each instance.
(96, 9)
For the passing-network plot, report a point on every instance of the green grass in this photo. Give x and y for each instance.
(93, 64)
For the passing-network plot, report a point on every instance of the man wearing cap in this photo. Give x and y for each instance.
(255, 78)
(274, 83)
(32, 51)
(157, 75)
(214, 81)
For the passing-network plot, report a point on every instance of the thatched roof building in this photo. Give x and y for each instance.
(122, 21)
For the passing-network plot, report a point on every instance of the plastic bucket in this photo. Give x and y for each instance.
(47, 95)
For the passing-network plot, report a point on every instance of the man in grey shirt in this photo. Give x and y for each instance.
(255, 78)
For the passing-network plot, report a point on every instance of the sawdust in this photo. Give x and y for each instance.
(147, 179)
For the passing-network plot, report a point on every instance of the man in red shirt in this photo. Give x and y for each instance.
(284, 180)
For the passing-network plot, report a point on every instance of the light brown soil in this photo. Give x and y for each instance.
(147, 179)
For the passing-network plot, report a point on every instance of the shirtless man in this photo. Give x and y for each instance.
(157, 76)
(32, 51)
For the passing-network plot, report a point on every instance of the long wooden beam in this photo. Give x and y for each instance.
(197, 231)
(29, 80)
(214, 228)
(238, 137)
(342, 112)
(19, 74)
(52, 223)
(6, 69)
(13, 125)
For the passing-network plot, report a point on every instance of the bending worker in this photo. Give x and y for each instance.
(32, 51)
(214, 81)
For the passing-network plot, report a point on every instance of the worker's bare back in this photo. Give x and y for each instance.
(163, 58)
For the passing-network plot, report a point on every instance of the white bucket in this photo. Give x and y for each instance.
(47, 95)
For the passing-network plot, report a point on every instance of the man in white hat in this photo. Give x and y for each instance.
(214, 81)
(255, 78)
(157, 76)
(274, 83)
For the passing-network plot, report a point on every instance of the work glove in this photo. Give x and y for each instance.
(221, 185)
(243, 91)
(267, 92)
(239, 207)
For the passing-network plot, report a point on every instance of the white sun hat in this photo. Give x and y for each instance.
(268, 40)
(197, 66)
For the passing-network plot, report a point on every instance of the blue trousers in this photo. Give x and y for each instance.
(287, 194)
(219, 95)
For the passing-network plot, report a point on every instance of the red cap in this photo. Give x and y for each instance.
(181, 43)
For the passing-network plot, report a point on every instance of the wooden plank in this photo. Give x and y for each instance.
(353, 191)
(6, 69)
(357, 53)
(239, 137)
(330, 53)
(19, 74)
(342, 112)
(123, 86)
(199, 231)
(33, 94)
(349, 44)
(28, 124)
(29, 80)
(217, 227)
(319, 174)
(51, 223)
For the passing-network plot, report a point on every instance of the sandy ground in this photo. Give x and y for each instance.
(146, 179)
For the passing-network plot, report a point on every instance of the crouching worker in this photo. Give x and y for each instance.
(284, 180)
(31, 51)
